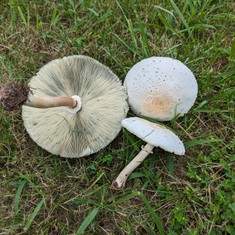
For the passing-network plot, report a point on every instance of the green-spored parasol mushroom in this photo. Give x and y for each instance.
(73, 107)
(154, 135)
(160, 88)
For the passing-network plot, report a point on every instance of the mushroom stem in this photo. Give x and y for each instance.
(49, 102)
(122, 177)
(15, 94)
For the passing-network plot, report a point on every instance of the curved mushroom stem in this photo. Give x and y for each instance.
(122, 177)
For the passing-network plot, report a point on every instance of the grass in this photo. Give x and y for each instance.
(44, 194)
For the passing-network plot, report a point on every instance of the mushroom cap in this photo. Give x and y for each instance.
(160, 88)
(154, 134)
(104, 106)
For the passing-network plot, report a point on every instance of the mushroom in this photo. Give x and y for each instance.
(74, 107)
(160, 88)
(155, 135)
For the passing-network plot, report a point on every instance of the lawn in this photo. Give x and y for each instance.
(41, 193)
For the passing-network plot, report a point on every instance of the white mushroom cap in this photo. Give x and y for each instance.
(154, 134)
(161, 88)
(76, 134)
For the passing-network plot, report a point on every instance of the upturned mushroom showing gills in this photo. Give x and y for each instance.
(160, 88)
(73, 106)
(155, 136)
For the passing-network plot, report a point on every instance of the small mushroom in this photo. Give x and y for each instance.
(160, 88)
(156, 136)
(73, 106)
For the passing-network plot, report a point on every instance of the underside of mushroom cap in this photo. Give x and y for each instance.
(160, 88)
(97, 123)
(154, 134)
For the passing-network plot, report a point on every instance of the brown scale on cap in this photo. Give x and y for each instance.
(13, 95)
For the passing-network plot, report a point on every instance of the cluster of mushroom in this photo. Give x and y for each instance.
(76, 106)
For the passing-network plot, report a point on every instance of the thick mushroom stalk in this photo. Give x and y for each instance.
(49, 102)
(120, 181)
(13, 95)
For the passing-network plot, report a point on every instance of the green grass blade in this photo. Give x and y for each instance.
(128, 197)
(165, 10)
(182, 18)
(131, 29)
(22, 16)
(54, 17)
(154, 215)
(135, 175)
(120, 7)
(170, 27)
(125, 44)
(34, 186)
(83, 201)
(34, 214)
(193, 143)
(232, 51)
(17, 196)
(87, 221)
(130, 138)
(170, 163)
(142, 30)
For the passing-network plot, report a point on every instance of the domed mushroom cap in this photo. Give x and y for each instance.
(63, 132)
(161, 88)
(154, 134)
